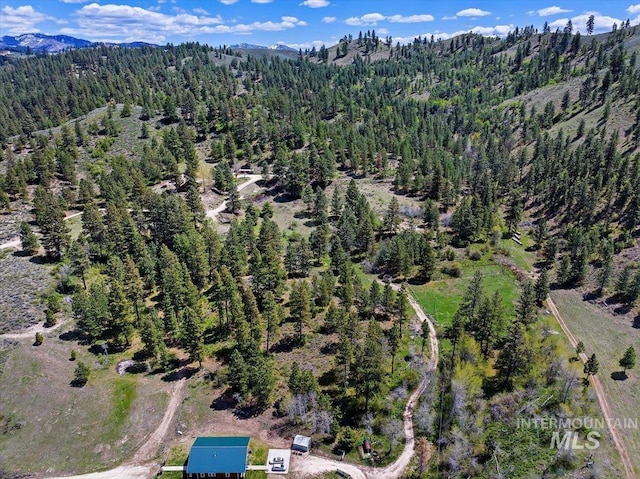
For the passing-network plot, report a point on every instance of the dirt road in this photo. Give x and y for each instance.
(15, 242)
(602, 397)
(311, 465)
(212, 213)
(31, 331)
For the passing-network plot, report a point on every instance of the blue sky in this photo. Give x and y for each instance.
(299, 23)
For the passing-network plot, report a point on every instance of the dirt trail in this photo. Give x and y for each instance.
(212, 213)
(314, 465)
(31, 331)
(15, 242)
(602, 397)
(154, 440)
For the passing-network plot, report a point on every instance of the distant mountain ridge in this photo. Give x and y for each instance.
(251, 46)
(41, 43)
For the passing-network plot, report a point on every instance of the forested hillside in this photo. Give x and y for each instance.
(468, 142)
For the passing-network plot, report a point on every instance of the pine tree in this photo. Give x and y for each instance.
(192, 334)
(515, 356)
(628, 360)
(591, 366)
(370, 360)
(624, 281)
(394, 342)
(541, 287)
(120, 326)
(472, 298)
(526, 309)
(55, 234)
(590, 24)
(133, 284)
(92, 225)
(392, 216)
(79, 256)
(272, 317)
(300, 307)
(427, 260)
(388, 299)
(541, 232)
(344, 358)
(375, 296)
(28, 239)
(238, 374)
(402, 306)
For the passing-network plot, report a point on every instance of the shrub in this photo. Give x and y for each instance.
(455, 271)
(81, 374)
(74, 355)
(449, 254)
(348, 438)
(50, 318)
(54, 302)
(39, 339)
(474, 254)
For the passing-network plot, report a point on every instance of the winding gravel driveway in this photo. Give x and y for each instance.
(311, 465)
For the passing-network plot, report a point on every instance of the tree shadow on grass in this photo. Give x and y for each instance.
(185, 372)
(73, 335)
(622, 309)
(636, 322)
(285, 345)
(78, 383)
(329, 349)
(619, 376)
(223, 403)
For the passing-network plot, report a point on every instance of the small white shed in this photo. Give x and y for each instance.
(301, 443)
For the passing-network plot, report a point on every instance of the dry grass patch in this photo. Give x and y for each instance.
(73, 429)
(608, 336)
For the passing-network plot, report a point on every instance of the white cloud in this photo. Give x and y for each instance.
(200, 11)
(601, 24)
(329, 19)
(472, 12)
(374, 18)
(315, 3)
(127, 23)
(545, 12)
(410, 18)
(368, 19)
(634, 8)
(21, 19)
(227, 2)
(74, 1)
(449, 18)
(315, 43)
(261, 1)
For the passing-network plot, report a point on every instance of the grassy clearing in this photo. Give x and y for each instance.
(73, 429)
(441, 298)
(607, 336)
(177, 456)
(518, 255)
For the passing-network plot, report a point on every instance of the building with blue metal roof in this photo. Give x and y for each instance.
(218, 457)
